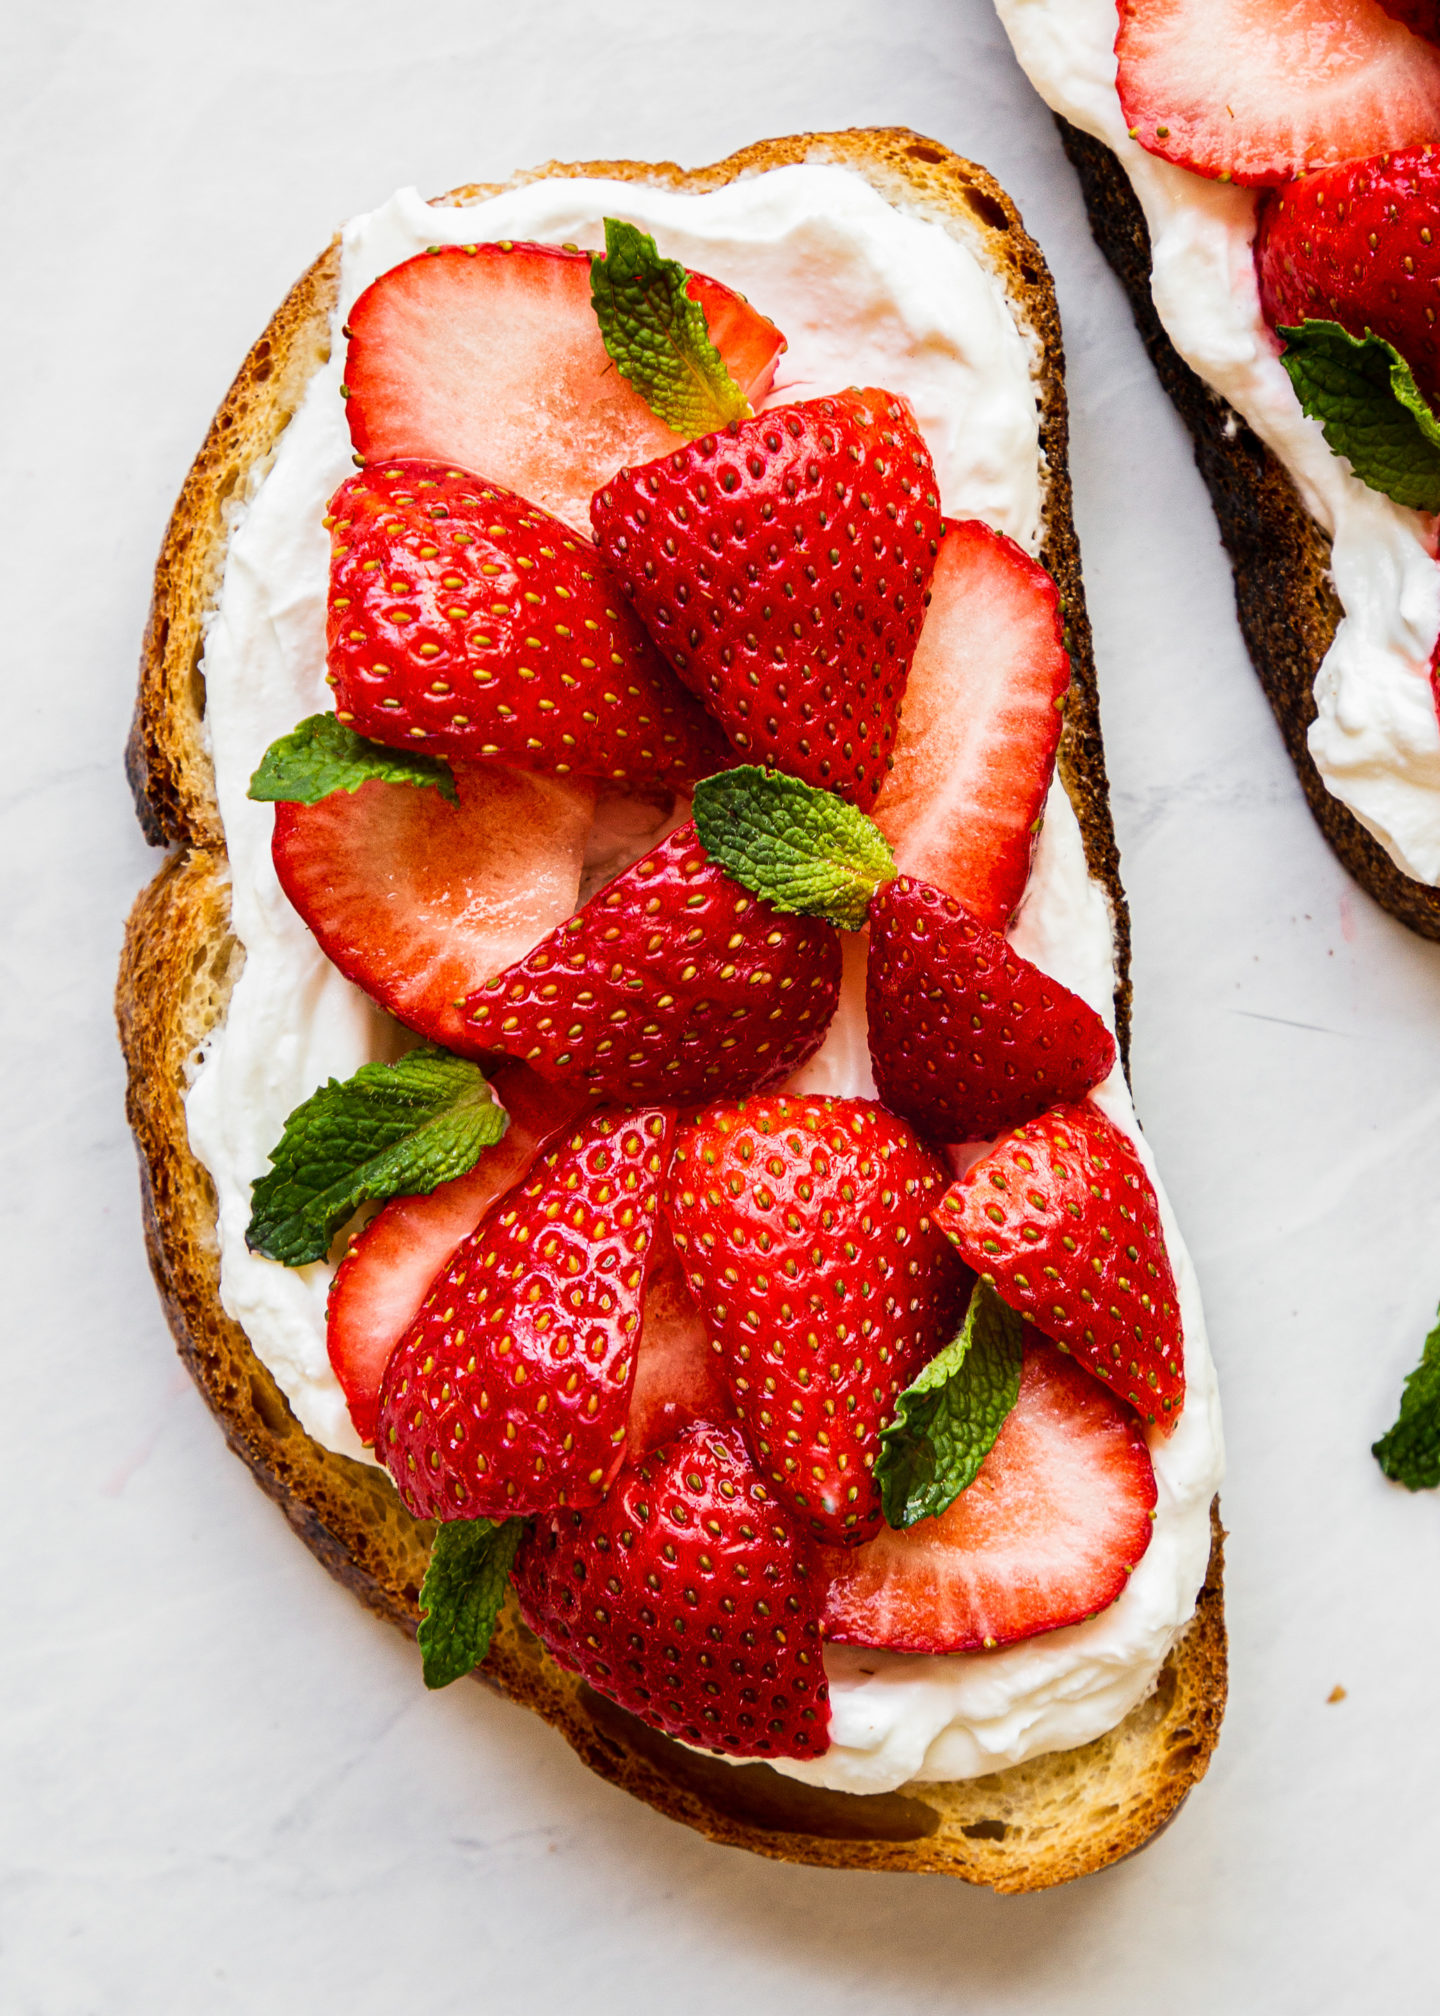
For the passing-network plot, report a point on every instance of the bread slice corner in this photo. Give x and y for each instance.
(1058, 1816)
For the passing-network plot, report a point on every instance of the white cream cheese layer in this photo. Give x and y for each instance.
(865, 296)
(1376, 741)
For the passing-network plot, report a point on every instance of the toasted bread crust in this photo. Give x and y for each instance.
(1280, 557)
(1036, 1824)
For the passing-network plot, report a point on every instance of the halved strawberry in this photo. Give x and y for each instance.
(689, 1598)
(1062, 1218)
(677, 1372)
(966, 1037)
(671, 982)
(1049, 1532)
(782, 565)
(977, 741)
(510, 1392)
(807, 1230)
(418, 901)
(388, 1267)
(1258, 91)
(466, 622)
(1357, 245)
(490, 356)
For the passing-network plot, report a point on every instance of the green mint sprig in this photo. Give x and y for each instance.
(1410, 1451)
(392, 1130)
(657, 337)
(802, 849)
(1365, 397)
(947, 1421)
(322, 755)
(463, 1594)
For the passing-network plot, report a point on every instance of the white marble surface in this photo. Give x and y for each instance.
(225, 1787)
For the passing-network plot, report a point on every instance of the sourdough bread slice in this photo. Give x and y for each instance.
(1280, 557)
(1056, 1817)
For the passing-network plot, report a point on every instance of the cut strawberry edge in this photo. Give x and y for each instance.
(557, 419)
(975, 751)
(419, 901)
(1048, 1534)
(387, 1271)
(677, 1373)
(1252, 92)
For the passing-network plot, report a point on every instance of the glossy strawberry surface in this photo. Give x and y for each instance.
(1049, 1532)
(966, 1037)
(1062, 1217)
(1357, 245)
(1258, 91)
(464, 621)
(672, 982)
(688, 1597)
(555, 418)
(976, 749)
(388, 1268)
(510, 1392)
(782, 566)
(808, 1233)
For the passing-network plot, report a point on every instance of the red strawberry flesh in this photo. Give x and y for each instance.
(1421, 17)
(1357, 245)
(1049, 1532)
(1258, 91)
(388, 1268)
(808, 1233)
(968, 1038)
(671, 982)
(417, 900)
(490, 356)
(1062, 1217)
(976, 748)
(688, 1598)
(510, 1392)
(465, 622)
(782, 566)
(677, 1374)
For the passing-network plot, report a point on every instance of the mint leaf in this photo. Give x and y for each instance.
(391, 1130)
(657, 336)
(1365, 397)
(802, 849)
(463, 1593)
(948, 1419)
(1410, 1452)
(323, 755)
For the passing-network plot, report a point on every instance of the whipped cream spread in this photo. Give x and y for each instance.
(866, 296)
(1376, 741)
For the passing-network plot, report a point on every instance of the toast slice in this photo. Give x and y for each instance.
(1058, 1816)
(1279, 556)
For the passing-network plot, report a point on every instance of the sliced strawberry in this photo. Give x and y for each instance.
(808, 1235)
(510, 1392)
(418, 901)
(1048, 1533)
(490, 356)
(383, 1278)
(1357, 245)
(1062, 1218)
(966, 1037)
(466, 622)
(689, 1598)
(677, 1373)
(671, 982)
(1257, 91)
(976, 748)
(781, 565)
